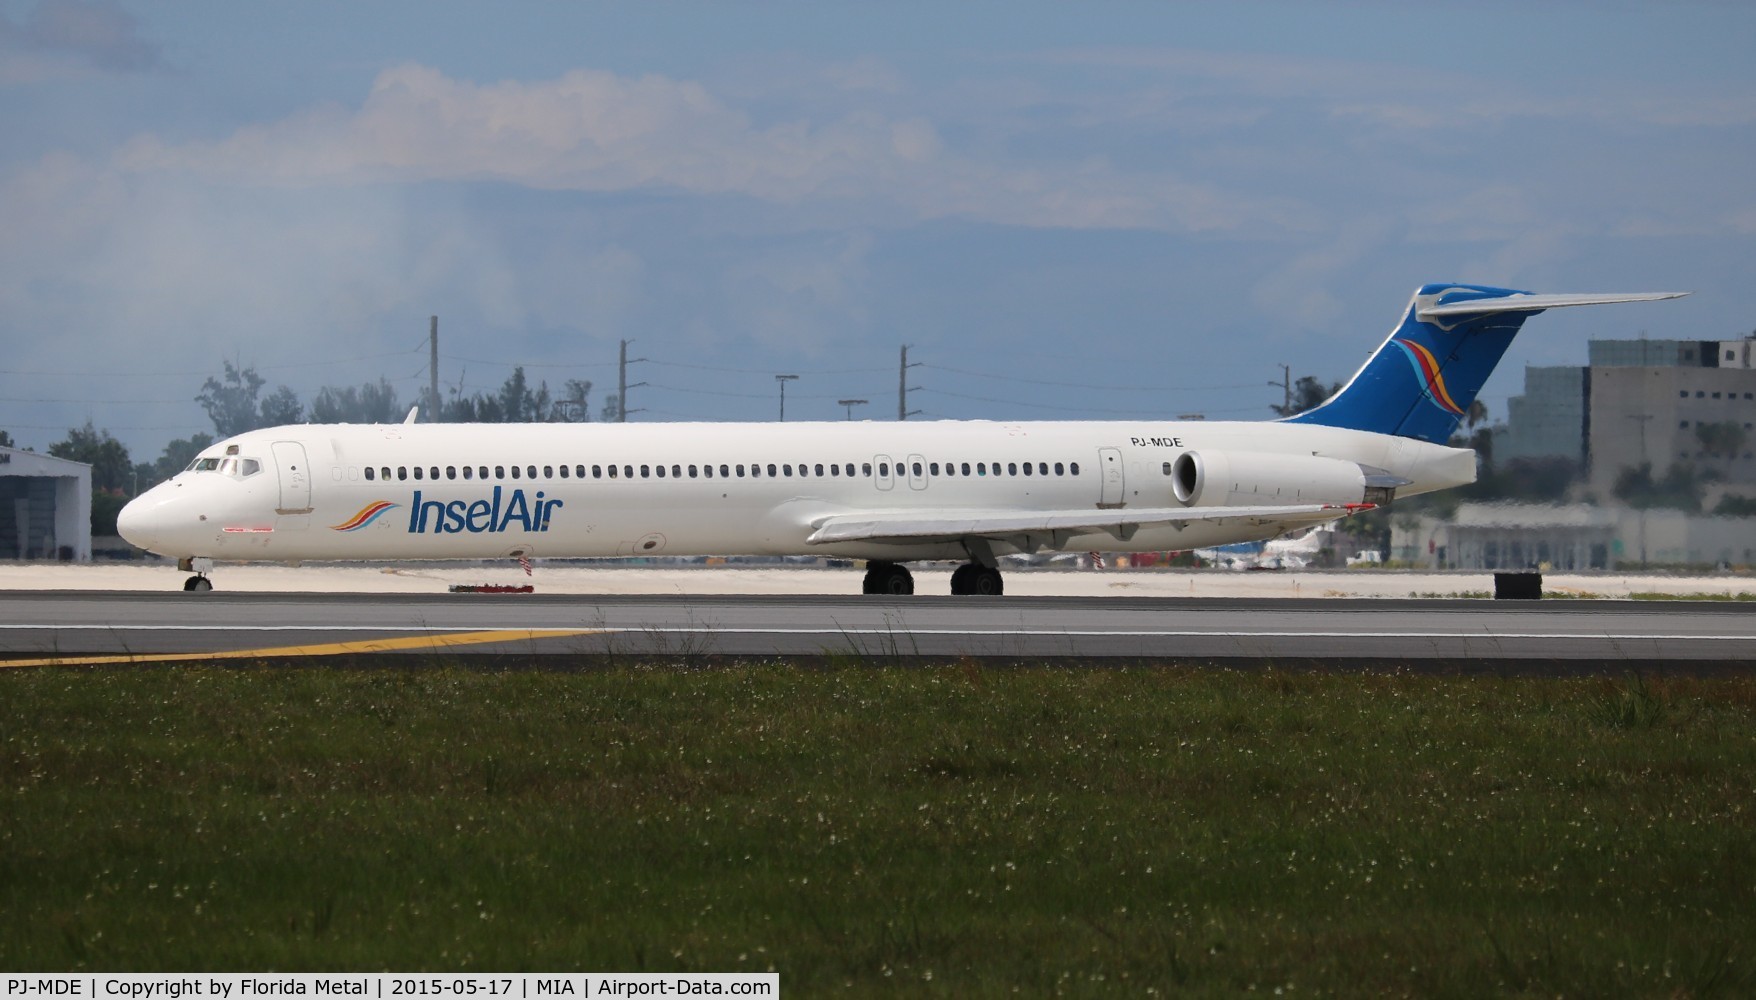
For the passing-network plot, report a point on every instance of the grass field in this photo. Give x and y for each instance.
(955, 831)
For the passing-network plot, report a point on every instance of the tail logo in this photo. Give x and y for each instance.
(367, 515)
(1432, 382)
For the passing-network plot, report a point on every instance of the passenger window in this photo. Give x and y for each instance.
(417, 472)
(883, 470)
(627, 472)
(661, 472)
(933, 468)
(981, 468)
(469, 472)
(451, 472)
(1060, 470)
(612, 472)
(579, 472)
(740, 472)
(402, 473)
(865, 468)
(499, 472)
(548, 472)
(1042, 468)
(725, 474)
(1027, 468)
(820, 470)
(963, 470)
(483, 472)
(597, 472)
(787, 470)
(563, 472)
(532, 470)
(771, 470)
(917, 468)
(1011, 468)
(515, 472)
(646, 472)
(692, 472)
(433, 473)
(370, 473)
(676, 472)
(1167, 468)
(1073, 468)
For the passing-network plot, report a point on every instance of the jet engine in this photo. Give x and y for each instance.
(1248, 478)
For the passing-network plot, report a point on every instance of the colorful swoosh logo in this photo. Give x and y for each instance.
(367, 515)
(1427, 367)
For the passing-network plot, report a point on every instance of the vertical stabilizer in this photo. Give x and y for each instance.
(1420, 383)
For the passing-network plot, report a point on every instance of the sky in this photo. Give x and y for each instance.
(1066, 211)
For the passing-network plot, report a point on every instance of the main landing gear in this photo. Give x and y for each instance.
(970, 579)
(888, 578)
(976, 580)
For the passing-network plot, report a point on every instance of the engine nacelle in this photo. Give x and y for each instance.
(1249, 478)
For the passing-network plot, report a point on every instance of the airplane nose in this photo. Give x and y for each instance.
(134, 524)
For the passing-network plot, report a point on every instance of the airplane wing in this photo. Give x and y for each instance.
(952, 525)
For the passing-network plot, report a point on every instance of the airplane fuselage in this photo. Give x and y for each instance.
(438, 491)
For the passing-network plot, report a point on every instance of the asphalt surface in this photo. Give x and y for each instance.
(40, 629)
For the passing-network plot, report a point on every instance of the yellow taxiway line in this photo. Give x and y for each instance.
(434, 642)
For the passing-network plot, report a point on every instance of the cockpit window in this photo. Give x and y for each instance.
(237, 468)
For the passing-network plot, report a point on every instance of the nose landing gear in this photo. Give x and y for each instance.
(199, 583)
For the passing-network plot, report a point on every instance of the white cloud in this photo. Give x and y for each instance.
(592, 130)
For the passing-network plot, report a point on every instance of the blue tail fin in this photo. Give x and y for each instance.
(1421, 382)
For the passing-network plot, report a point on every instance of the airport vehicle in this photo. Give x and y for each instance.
(888, 493)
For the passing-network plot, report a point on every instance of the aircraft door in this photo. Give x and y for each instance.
(917, 472)
(295, 478)
(881, 473)
(1113, 480)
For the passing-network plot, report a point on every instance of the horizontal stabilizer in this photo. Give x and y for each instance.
(949, 525)
(1534, 303)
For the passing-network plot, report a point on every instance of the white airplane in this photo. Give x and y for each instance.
(888, 493)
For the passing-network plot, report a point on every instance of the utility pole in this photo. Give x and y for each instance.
(1286, 385)
(850, 404)
(902, 410)
(433, 370)
(783, 380)
(622, 384)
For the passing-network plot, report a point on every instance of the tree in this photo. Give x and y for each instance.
(281, 407)
(231, 404)
(6, 440)
(1308, 392)
(1721, 440)
(110, 467)
(366, 404)
(178, 454)
(572, 408)
(1680, 489)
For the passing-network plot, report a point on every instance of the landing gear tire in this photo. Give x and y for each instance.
(198, 585)
(888, 579)
(976, 580)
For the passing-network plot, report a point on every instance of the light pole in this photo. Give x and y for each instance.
(783, 380)
(850, 404)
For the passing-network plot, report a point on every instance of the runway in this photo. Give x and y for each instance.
(75, 628)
